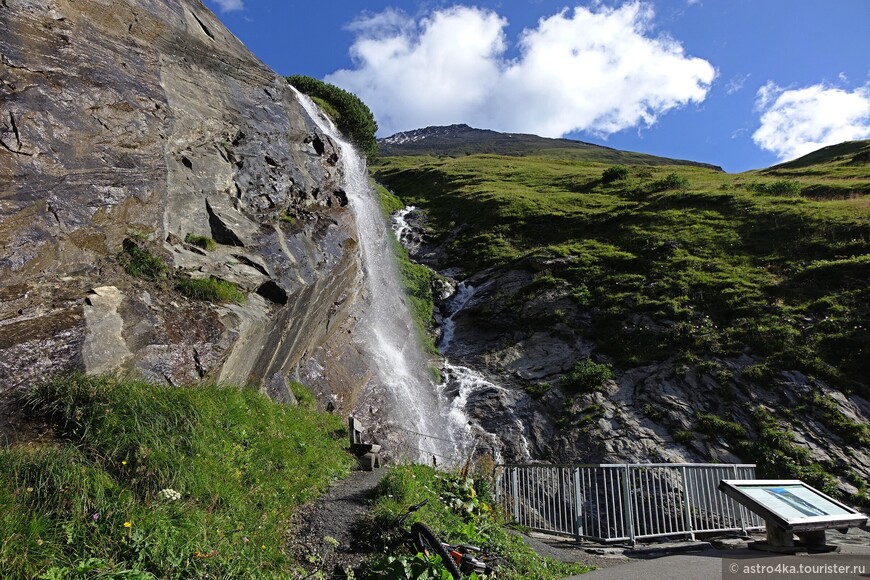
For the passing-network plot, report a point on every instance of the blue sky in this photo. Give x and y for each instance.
(742, 84)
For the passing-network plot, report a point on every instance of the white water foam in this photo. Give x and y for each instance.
(400, 224)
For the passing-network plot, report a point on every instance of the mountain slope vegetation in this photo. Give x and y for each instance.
(673, 264)
(457, 140)
(154, 481)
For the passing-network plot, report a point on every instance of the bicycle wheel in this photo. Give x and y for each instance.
(428, 543)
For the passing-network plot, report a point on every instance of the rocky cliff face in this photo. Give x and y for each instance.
(148, 121)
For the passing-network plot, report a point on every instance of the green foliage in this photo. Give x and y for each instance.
(352, 117)
(783, 187)
(711, 270)
(714, 426)
(389, 201)
(684, 437)
(587, 376)
(204, 242)
(614, 173)
(460, 509)
(538, 390)
(777, 456)
(827, 409)
(670, 181)
(151, 480)
(139, 262)
(210, 289)
(416, 567)
(304, 398)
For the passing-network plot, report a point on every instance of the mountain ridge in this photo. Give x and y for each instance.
(462, 139)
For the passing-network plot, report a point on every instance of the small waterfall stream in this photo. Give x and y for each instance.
(412, 419)
(458, 382)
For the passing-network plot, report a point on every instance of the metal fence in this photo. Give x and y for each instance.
(624, 502)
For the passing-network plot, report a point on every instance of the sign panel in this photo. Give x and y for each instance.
(792, 504)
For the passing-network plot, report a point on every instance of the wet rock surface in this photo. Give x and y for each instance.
(150, 121)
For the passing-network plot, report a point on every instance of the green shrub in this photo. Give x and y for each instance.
(714, 426)
(671, 181)
(147, 480)
(684, 437)
(460, 509)
(614, 173)
(538, 390)
(352, 117)
(139, 262)
(587, 376)
(783, 187)
(204, 242)
(210, 289)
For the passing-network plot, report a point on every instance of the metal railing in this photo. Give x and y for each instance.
(625, 502)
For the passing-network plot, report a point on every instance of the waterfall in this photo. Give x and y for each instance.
(464, 293)
(413, 421)
(400, 224)
(464, 382)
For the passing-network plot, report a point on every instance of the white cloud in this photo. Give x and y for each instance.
(229, 5)
(795, 122)
(597, 70)
(736, 84)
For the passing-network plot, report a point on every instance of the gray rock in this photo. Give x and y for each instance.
(152, 120)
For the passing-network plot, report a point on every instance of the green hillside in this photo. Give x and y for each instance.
(774, 261)
(458, 140)
(144, 480)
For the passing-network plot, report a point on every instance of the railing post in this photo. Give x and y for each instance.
(626, 503)
(738, 507)
(515, 491)
(578, 506)
(687, 508)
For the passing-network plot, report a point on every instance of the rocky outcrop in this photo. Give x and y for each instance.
(149, 121)
(522, 339)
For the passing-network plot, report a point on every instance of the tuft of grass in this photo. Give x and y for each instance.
(204, 242)
(304, 398)
(150, 480)
(210, 289)
(139, 262)
(460, 509)
(287, 219)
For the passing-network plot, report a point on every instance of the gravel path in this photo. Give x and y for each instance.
(320, 536)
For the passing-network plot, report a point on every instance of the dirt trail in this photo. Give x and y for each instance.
(320, 537)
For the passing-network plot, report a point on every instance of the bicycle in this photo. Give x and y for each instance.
(458, 559)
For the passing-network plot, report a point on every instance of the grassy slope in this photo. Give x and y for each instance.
(464, 140)
(727, 264)
(459, 510)
(93, 504)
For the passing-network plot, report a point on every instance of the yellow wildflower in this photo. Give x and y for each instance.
(128, 524)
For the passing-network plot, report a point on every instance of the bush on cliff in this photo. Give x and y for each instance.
(149, 480)
(352, 117)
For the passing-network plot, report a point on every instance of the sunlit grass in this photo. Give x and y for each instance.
(172, 482)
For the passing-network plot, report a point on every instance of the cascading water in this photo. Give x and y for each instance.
(414, 422)
(460, 383)
(400, 224)
(464, 293)
(464, 382)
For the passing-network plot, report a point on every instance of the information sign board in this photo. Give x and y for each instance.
(792, 504)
